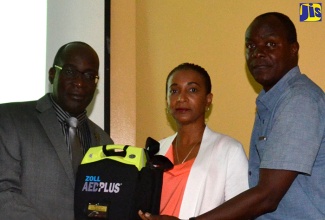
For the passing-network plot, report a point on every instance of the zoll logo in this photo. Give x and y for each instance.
(94, 184)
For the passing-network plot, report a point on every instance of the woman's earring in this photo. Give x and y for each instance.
(206, 119)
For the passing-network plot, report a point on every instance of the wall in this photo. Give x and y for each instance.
(78, 20)
(27, 49)
(123, 73)
(206, 32)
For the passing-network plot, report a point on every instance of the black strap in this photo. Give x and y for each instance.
(115, 152)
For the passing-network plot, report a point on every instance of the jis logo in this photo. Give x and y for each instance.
(310, 12)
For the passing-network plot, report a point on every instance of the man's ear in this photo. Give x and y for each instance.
(295, 48)
(52, 72)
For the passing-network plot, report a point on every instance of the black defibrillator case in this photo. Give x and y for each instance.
(115, 181)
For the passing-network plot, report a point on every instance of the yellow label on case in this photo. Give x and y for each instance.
(98, 208)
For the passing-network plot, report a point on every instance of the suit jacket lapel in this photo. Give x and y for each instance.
(52, 127)
(95, 137)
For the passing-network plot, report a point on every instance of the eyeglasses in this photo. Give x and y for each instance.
(72, 73)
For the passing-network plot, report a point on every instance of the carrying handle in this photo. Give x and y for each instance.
(114, 152)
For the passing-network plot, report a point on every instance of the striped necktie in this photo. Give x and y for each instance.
(76, 151)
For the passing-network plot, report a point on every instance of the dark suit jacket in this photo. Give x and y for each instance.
(36, 176)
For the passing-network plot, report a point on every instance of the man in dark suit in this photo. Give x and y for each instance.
(36, 173)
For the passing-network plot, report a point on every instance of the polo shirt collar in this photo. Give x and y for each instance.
(269, 99)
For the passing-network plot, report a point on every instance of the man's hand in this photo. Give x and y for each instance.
(148, 216)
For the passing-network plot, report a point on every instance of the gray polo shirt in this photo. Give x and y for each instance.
(288, 134)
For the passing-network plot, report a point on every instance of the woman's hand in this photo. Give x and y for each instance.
(148, 216)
